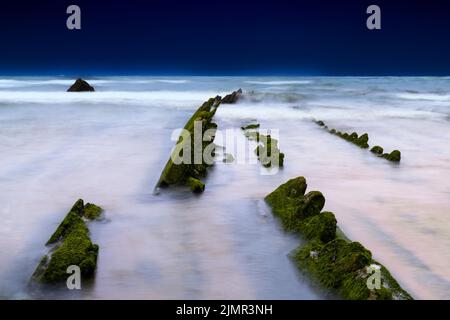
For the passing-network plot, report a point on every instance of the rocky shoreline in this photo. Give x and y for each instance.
(362, 142)
(190, 173)
(328, 256)
(70, 245)
(267, 149)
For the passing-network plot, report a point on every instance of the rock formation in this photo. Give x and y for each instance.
(80, 85)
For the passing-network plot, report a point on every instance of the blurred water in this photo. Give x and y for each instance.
(110, 146)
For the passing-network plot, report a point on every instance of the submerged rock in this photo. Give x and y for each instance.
(71, 246)
(328, 255)
(394, 156)
(196, 185)
(189, 172)
(232, 97)
(92, 212)
(362, 142)
(377, 150)
(267, 149)
(80, 85)
(320, 123)
(250, 126)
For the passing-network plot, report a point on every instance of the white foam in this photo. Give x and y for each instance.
(279, 83)
(424, 96)
(106, 97)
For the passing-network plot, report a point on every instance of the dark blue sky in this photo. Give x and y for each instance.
(225, 37)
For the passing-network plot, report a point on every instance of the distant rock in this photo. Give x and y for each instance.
(232, 97)
(80, 85)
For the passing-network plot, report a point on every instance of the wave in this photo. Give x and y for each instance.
(279, 83)
(424, 96)
(276, 111)
(286, 97)
(105, 97)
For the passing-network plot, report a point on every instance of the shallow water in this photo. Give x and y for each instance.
(110, 146)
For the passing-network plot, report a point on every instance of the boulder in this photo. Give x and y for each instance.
(232, 97)
(71, 245)
(80, 85)
(377, 150)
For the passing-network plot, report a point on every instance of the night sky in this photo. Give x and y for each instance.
(225, 37)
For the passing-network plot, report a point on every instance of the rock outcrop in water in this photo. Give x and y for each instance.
(190, 173)
(80, 85)
(70, 245)
(232, 97)
(328, 256)
(267, 150)
(362, 142)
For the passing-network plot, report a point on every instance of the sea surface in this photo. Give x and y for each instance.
(109, 147)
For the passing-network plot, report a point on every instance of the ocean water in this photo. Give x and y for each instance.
(109, 147)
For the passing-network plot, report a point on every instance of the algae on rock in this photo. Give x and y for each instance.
(362, 142)
(328, 255)
(180, 173)
(232, 97)
(71, 246)
(267, 149)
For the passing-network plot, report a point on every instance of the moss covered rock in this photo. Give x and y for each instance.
(196, 185)
(268, 152)
(320, 227)
(328, 256)
(180, 173)
(394, 156)
(250, 126)
(377, 150)
(232, 97)
(71, 246)
(320, 123)
(362, 141)
(92, 212)
(290, 203)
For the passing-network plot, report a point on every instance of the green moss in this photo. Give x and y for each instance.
(362, 141)
(320, 123)
(232, 97)
(321, 226)
(268, 152)
(328, 255)
(196, 185)
(76, 249)
(335, 265)
(353, 137)
(91, 211)
(180, 173)
(394, 156)
(72, 246)
(377, 150)
(290, 203)
(69, 221)
(250, 126)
